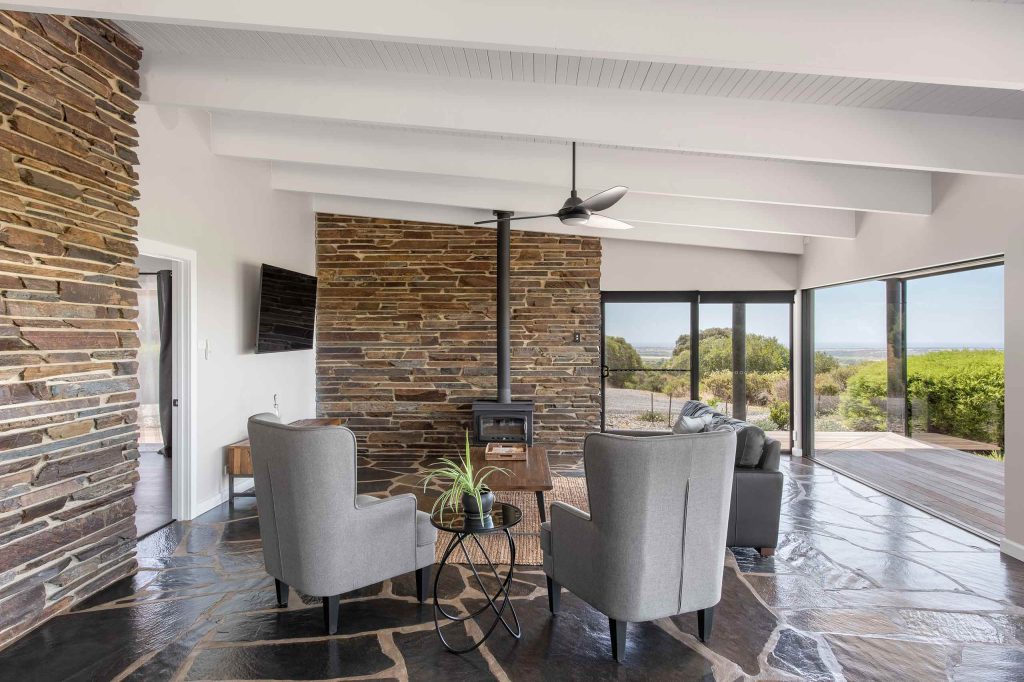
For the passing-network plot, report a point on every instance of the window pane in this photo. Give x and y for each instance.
(955, 381)
(149, 362)
(767, 369)
(647, 360)
(716, 356)
(849, 361)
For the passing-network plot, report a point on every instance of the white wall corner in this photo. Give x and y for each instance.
(1012, 549)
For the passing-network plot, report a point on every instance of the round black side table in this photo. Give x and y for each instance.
(465, 528)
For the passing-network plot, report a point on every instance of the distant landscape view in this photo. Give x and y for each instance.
(955, 378)
(649, 378)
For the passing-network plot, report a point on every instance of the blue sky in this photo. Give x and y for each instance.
(660, 324)
(963, 309)
(959, 310)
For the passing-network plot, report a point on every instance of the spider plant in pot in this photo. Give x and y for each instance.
(466, 485)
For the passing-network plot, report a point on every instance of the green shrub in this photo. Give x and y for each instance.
(716, 385)
(620, 354)
(778, 412)
(652, 417)
(823, 362)
(961, 392)
(964, 392)
(826, 385)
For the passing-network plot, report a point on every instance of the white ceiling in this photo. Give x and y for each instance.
(746, 125)
(553, 69)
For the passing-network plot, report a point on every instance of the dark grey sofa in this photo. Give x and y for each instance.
(757, 482)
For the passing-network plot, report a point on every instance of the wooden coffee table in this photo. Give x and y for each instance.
(527, 475)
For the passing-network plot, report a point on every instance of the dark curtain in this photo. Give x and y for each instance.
(163, 304)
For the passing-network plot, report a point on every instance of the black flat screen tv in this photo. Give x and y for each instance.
(287, 310)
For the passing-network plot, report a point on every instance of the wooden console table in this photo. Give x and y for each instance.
(239, 457)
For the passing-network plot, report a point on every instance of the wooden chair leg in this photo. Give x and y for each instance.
(618, 632)
(423, 582)
(705, 620)
(766, 551)
(331, 614)
(554, 595)
(282, 593)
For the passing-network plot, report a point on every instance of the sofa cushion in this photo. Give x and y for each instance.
(750, 439)
(690, 424)
(749, 445)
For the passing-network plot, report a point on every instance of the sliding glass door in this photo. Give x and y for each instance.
(731, 350)
(907, 392)
(955, 382)
(745, 359)
(647, 371)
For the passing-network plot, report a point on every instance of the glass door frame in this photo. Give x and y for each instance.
(695, 298)
(896, 335)
(691, 297)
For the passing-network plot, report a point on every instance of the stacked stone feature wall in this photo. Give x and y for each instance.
(68, 435)
(406, 331)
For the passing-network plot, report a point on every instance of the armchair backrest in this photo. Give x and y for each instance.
(661, 508)
(306, 494)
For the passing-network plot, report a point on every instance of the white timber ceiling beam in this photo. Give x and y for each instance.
(769, 181)
(930, 41)
(458, 215)
(715, 125)
(526, 198)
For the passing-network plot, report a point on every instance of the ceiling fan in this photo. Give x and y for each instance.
(583, 212)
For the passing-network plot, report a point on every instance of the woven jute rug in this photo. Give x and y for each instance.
(571, 490)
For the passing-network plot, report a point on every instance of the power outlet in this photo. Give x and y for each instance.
(576, 337)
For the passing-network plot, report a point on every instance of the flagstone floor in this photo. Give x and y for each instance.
(863, 587)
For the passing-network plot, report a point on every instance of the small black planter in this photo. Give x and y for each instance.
(486, 504)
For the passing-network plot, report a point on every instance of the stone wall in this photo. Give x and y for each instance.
(68, 439)
(406, 331)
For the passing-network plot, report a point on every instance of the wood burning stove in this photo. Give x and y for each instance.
(503, 420)
(498, 422)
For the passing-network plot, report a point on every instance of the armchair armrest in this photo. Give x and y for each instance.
(573, 539)
(570, 510)
(389, 519)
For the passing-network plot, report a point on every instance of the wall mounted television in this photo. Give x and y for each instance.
(287, 312)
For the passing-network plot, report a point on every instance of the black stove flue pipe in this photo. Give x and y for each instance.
(504, 313)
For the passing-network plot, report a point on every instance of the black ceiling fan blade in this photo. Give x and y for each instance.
(605, 199)
(521, 217)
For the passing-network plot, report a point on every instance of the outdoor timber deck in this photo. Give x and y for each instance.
(962, 488)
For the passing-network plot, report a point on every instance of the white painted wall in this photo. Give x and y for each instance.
(974, 216)
(225, 210)
(646, 266)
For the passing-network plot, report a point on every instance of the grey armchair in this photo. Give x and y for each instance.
(653, 543)
(319, 536)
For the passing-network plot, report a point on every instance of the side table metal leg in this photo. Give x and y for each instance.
(503, 592)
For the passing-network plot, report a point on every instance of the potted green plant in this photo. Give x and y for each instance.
(466, 487)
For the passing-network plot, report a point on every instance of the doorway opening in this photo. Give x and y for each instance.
(153, 492)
